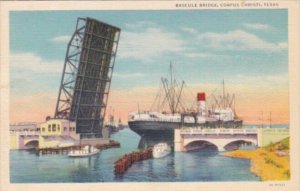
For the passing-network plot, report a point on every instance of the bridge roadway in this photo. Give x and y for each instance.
(185, 138)
(24, 139)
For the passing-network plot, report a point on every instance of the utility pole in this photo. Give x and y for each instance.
(223, 99)
(139, 110)
(270, 119)
(262, 119)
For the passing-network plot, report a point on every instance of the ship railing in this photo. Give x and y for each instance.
(158, 120)
(194, 131)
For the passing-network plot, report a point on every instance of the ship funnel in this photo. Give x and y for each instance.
(201, 103)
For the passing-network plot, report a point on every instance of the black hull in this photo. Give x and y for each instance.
(153, 132)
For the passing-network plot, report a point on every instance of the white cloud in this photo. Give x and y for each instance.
(198, 55)
(61, 39)
(128, 75)
(29, 74)
(150, 43)
(238, 40)
(139, 25)
(283, 45)
(30, 62)
(189, 30)
(270, 79)
(257, 26)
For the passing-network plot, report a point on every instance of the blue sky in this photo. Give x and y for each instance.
(183, 36)
(207, 46)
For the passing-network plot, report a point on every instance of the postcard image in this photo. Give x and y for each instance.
(181, 94)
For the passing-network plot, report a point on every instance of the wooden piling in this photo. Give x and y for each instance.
(122, 164)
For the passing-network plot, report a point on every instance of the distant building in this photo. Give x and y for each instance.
(52, 133)
(58, 133)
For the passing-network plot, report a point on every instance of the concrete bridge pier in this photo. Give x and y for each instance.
(187, 138)
(178, 141)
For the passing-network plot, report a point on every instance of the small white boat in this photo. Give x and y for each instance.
(88, 150)
(161, 150)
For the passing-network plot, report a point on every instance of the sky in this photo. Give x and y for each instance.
(248, 49)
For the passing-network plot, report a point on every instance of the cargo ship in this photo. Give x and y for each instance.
(158, 126)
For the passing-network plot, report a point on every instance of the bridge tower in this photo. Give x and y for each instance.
(86, 76)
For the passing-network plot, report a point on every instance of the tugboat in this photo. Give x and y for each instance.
(161, 150)
(86, 151)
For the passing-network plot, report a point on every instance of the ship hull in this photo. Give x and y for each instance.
(153, 132)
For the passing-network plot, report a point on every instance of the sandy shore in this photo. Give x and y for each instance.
(265, 163)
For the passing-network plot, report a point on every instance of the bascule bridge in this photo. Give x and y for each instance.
(87, 75)
(222, 138)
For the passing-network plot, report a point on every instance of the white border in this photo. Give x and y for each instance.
(294, 71)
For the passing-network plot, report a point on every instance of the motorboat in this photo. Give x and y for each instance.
(161, 150)
(87, 150)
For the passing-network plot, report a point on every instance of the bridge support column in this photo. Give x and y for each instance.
(178, 141)
(220, 143)
(220, 148)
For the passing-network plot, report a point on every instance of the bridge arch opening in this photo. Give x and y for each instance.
(201, 145)
(238, 144)
(32, 144)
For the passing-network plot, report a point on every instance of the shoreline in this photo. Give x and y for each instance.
(265, 163)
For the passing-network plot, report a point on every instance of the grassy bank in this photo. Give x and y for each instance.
(269, 163)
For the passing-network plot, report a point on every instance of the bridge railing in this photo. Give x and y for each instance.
(195, 131)
(26, 133)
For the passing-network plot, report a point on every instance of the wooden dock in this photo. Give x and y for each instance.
(65, 150)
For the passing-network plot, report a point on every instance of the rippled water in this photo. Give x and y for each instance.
(26, 167)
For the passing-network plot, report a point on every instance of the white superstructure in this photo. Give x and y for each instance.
(203, 114)
(161, 150)
(222, 115)
(154, 116)
(88, 150)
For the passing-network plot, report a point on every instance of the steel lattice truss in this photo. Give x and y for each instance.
(87, 76)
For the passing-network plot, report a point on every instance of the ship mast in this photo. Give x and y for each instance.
(262, 119)
(167, 92)
(270, 119)
(178, 96)
(223, 98)
(172, 91)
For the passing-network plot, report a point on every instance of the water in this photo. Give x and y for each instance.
(27, 167)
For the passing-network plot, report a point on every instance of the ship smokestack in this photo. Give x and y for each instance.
(201, 103)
